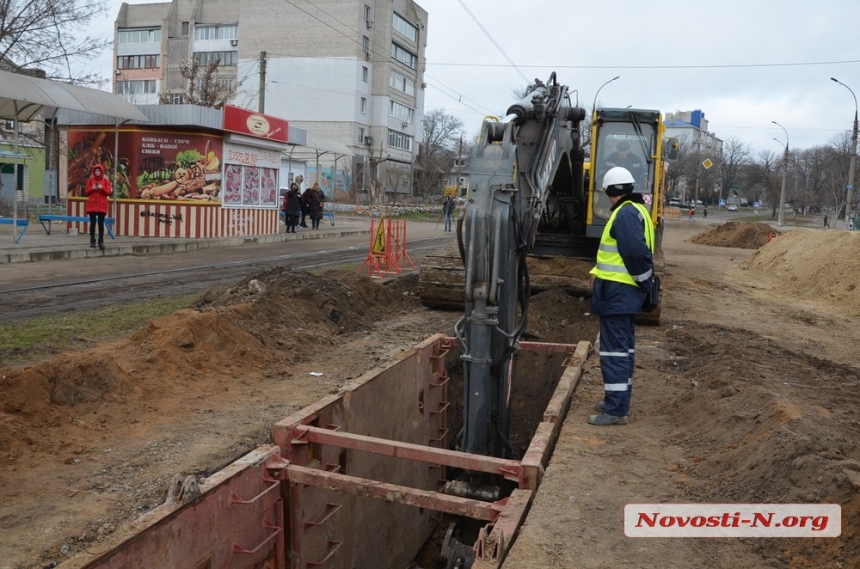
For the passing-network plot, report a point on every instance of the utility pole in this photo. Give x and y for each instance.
(779, 218)
(459, 165)
(849, 197)
(262, 95)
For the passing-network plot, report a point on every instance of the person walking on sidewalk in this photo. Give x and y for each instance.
(623, 273)
(692, 212)
(98, 190)
(448, 211)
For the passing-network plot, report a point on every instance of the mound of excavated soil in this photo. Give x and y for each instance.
(267, 321)
(734, 234)
(820, 264)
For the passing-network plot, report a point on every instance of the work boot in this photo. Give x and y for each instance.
(93, 242)
(598, 406)
(102, 244)
(604, 420)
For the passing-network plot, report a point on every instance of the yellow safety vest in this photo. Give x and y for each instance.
(610, 265)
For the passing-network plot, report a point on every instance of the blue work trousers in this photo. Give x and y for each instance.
(448, 219)
(617, 351)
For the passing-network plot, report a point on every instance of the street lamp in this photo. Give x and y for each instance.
(850, 194)
(784, 169)
(594, 104)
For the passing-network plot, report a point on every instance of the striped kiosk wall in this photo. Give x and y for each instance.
(192, 221)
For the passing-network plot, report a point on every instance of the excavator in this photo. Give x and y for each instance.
(535, 212)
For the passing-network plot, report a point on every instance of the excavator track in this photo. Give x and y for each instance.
(442, 277)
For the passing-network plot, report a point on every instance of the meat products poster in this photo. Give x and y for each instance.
(161, 165)
(250, 177)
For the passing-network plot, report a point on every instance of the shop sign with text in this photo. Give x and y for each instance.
(250, 123)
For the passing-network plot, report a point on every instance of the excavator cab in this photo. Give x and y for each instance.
(630, 138)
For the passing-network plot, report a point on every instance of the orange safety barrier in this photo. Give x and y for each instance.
(387, 248)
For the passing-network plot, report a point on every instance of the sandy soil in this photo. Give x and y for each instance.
(747, 392)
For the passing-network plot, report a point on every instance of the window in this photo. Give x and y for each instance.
(185, 29)
(401, 83)
(367, 17)
(401, 112)
(406, 28)
(137, 61)
(399, 140)
(177, 99)
(219, 32)
(361, 135)
(219, 83)
(134, 87)
(363, 105)
(222, 57)
(142, 35)
(364, 73)
(403, 55)
(365, 45)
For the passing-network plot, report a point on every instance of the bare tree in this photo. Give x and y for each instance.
(763, 177)
(51, 35)
(202, 85)
(374, 185)
(442, 139)
(735, 154)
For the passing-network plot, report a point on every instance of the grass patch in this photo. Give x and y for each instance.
(29, 340)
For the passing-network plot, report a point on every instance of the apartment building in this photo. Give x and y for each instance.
(347, 71)
(691, 128)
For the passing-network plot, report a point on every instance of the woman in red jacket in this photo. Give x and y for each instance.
(98, 189)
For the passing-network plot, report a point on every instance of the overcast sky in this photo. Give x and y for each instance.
(744, 63)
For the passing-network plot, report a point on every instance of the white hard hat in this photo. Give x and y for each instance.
(618, 181)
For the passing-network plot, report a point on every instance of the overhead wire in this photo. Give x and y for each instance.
(495, 43)
(695, 66)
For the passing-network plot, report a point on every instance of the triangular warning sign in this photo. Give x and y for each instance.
(378, 249)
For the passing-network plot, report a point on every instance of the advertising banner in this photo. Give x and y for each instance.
(250, 177)
(153, 164)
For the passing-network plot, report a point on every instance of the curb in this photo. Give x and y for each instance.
(84, 252)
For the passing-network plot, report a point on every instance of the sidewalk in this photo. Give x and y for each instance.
(36, 245)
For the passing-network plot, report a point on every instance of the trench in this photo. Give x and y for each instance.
(353, 480)
(536, 377)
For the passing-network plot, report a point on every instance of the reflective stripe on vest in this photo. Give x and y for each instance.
(610, 265)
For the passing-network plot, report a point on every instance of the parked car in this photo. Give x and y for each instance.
(732, 207)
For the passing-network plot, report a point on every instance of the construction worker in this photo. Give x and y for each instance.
(620, 279)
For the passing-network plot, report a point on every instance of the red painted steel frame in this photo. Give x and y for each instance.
(241, 520)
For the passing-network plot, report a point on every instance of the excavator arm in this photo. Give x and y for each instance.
(518, 163)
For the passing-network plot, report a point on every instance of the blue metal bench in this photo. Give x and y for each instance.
(25, 223)
(109, 221)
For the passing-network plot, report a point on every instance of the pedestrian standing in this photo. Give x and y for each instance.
(98, 190)
(826, 223)
(448, 211)
(705, 213)
(692, 211)
(292, 207)
(303, 208)
(314, 205)
(623, 273)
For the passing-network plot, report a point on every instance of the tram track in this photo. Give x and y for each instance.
(69, 295)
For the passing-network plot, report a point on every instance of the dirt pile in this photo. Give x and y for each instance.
(781, 430)
(822, 264)
(734, 234)
(263, 324)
